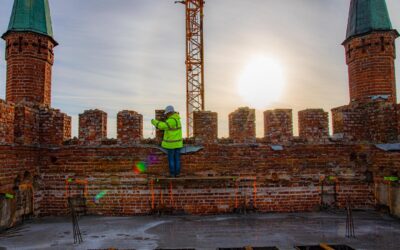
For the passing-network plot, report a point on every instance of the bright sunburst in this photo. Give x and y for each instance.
(261, 82)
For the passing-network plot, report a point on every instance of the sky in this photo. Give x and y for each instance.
(129, 55)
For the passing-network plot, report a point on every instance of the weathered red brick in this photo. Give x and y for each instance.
(375, 121)
(314, 125)
(278, 125)
(285, 181)
(370, 59)
(129, 127)
(29, 59)
(6, 122)
(54, 126)
(26, 127)
(242, 125)
(205, 126)
(92, 127)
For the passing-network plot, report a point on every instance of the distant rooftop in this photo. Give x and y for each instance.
(31, 15)
(366, 16)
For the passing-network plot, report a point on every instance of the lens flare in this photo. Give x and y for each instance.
(140, 167)
(152, 159)
(9, 196)
(100, 195)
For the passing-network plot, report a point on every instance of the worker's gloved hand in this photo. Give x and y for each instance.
(154, 122)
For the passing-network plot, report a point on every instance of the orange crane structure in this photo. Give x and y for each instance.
(194, 60)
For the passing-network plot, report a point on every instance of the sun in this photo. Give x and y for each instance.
(261, 82)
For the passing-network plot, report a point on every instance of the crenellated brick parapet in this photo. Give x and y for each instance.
(373, 122)
(54, 126)
(26, 126)
(348, 122)
(314, 125)
(92, 127)
(31, 124)
(382, 122)
(369, 122)
(205, 127)
(129, 127)
(7, 113)
(242, 125)
(278, 126)
(218, 167)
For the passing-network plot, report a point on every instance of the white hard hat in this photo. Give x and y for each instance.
(169, 109)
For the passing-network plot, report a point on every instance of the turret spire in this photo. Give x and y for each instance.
(31, 15)
(367, 16)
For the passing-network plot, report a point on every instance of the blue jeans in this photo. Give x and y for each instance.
(174, 161)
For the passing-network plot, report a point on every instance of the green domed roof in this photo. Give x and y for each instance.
(366, 16)
(31, 15)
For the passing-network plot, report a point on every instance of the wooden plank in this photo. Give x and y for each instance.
(326, 246)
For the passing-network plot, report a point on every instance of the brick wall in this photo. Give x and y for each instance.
(26, 127)
(386, 192)
(14, 161)
(382, 122)
(19, 176)
(28, 124)
(370, 122)
(29, 59)
(349, 121)
(278, 126)
(129, 127)
(205, 126)
(54, 127)
(6, 122)
(287, 180)
(314, 125)
(223, 177)
(92, 127)
(242, 126)
(370, 61)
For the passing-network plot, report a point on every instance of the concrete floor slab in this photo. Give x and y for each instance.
(373, 231)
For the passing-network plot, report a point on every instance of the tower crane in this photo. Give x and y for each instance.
(194, 60)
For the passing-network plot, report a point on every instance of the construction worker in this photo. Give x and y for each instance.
(172, 141)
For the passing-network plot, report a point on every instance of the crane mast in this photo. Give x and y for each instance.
(194, 60)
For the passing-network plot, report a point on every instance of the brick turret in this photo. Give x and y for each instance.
(370, 52)
(29, 53)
